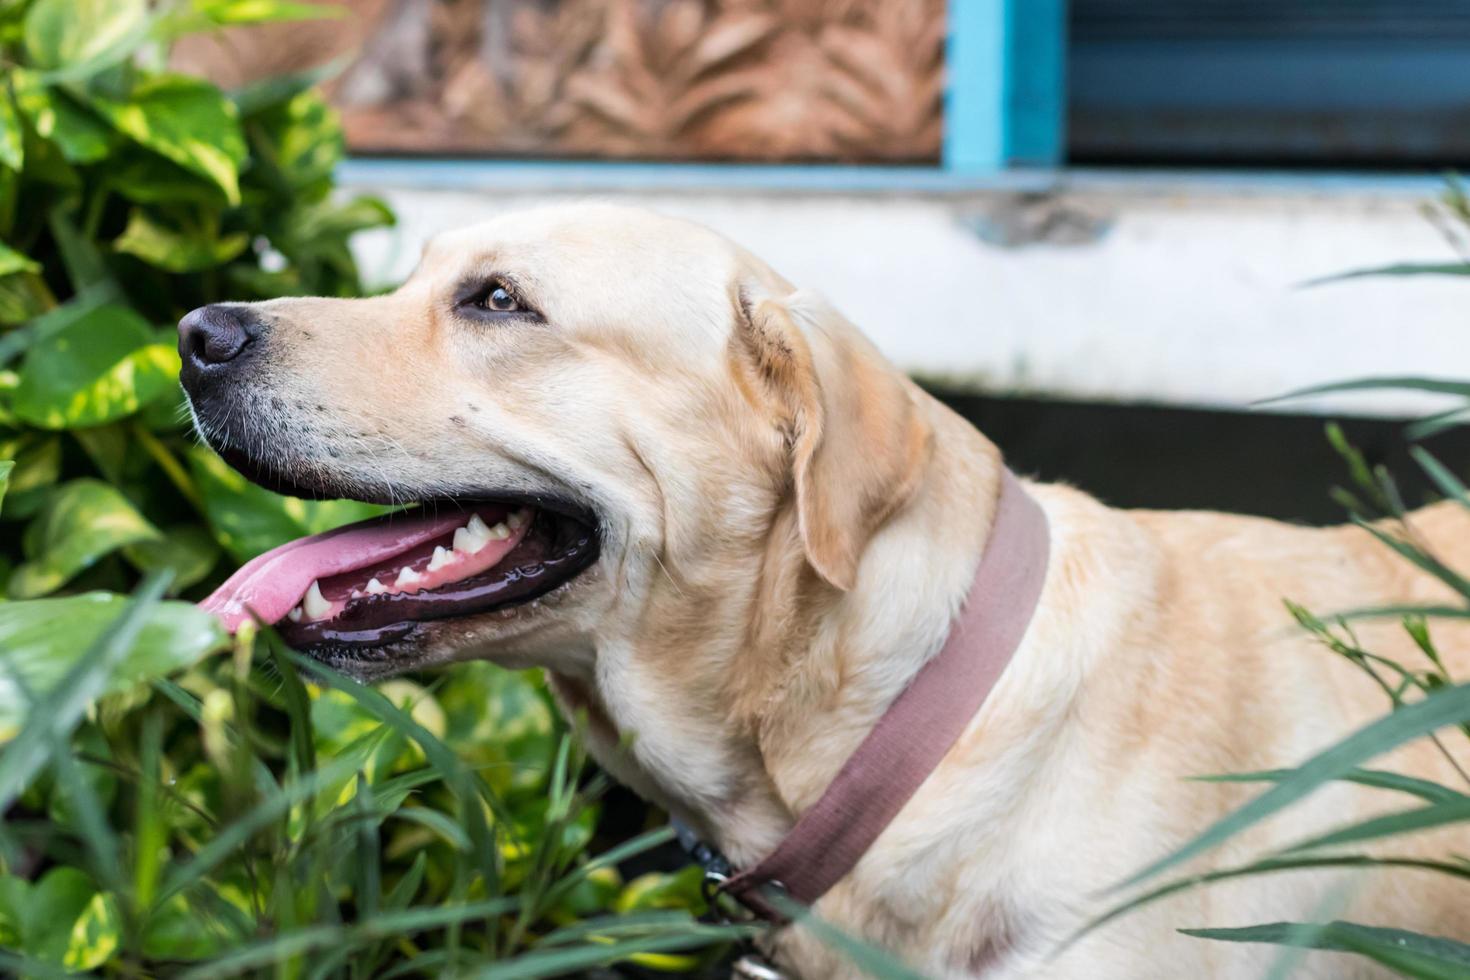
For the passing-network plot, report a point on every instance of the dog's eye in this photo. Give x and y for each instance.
(492, 299)
(499, 300)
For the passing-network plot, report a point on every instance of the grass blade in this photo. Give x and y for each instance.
(149, 834)
(1398, 269)
(1419, 557)
(96, 830)
(254, 955)
(298, 711)
(1289, 959)
(1438, 386)
(265, 781)
(61, 708)
(871, 960)
(1399, 612)
(1270, 866)
(93, 828)
(1377, 778)
(387, 925)
(408, 885)
(237, 833)
(439, 823)
(1391, 825)
(430, 963)
(466, 784)
(1449, 706)
(1432, 425)
(1410, 953)
(390, 924)
(643, 842)
(183, 698)
(556, 962)
(1448, 483)
(369, 869)
(631, 923)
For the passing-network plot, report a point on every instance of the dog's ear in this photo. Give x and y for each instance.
(856, 440)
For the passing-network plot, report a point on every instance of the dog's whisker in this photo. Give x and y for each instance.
(664, 569)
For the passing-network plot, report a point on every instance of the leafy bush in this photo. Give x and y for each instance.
(252, 814)
(128, 196)
(232, 821)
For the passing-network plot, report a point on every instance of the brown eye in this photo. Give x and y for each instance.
(490, 299)
(500, 301)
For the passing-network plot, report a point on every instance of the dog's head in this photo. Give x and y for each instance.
(593, 407)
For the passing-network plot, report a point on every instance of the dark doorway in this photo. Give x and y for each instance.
(1247, 462)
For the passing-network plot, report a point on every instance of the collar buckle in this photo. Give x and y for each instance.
(753, 897)
(710, 888)
(718, 876)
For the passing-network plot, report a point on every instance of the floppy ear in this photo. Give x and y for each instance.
(856, 439)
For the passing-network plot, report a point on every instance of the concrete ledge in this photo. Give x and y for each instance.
(1171, 289)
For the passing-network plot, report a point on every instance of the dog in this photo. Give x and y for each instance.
(731, 533)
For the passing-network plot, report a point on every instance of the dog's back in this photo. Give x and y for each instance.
(1218, 677)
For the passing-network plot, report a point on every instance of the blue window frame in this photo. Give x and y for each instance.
(1005, 98)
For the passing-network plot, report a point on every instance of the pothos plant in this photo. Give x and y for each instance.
(128, 195)
(164, 812)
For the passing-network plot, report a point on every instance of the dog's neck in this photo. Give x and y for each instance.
(867, 644)
(742, 734)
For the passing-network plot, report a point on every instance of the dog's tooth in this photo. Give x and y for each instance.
(315, 606)
(440, 559)
(407, 576)
(294, 615)
(357, 593)
(499, 532)
(374, 587)
(474, 538)
(518, 519)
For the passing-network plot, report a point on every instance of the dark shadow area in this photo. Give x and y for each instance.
(1246, 462)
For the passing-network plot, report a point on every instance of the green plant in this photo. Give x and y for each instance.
(129, 195)
(167, 812)
(229, 821)
(1425, 700)
(1450, 215)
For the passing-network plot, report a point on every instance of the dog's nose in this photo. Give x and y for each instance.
(214, 335)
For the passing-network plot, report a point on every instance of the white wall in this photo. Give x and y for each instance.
(1139, 289)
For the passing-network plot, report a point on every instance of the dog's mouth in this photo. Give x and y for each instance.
(372, 583)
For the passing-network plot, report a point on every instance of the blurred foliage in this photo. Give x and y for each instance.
(171, 813)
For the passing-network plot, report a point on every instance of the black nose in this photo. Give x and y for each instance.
(214, 335)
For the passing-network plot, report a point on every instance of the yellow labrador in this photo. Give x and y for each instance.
(732, 533)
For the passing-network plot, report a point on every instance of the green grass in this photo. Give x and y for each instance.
(262, 815)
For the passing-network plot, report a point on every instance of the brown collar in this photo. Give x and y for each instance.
(916, 731)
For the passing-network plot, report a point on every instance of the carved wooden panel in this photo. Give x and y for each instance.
(657, 79)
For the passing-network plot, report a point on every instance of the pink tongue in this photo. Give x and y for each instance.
(270, 585)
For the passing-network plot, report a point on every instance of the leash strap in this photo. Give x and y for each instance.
(921, 725)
